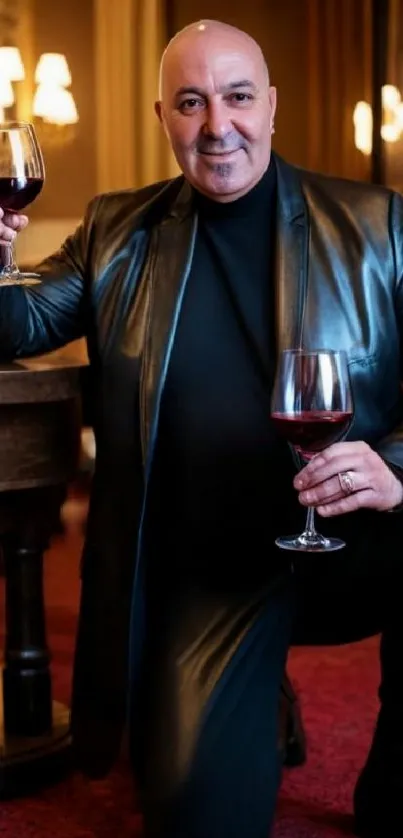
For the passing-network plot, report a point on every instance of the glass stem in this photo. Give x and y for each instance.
(9, 267)
(310, 529)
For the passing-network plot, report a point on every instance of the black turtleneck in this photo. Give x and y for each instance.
(218, 465)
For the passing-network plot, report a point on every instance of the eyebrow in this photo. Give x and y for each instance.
(234, 85)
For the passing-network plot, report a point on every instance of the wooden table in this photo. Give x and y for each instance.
(39, 449)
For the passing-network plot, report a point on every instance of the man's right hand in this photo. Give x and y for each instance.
(10, 224)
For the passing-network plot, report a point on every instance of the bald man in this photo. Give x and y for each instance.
(186, 292)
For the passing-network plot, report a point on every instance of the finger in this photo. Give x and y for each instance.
(326, 470)
(329, 463)
(12, 224)
(7, 235)
(367, 498)
(14, 220)
(331, 489)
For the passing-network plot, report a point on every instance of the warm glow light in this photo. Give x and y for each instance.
(55, 104)
(399, 115)
(390, 133)
(6, 92)
(52, 68)
(52, 102)
(40, 104)
(11, 65)
(390, 96)
(392, 119)
(362, 119)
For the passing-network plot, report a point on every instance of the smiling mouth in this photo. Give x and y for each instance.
(220, 153)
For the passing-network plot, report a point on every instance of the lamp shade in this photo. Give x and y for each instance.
(52, 68)
(11, 65)
(6, 92)
(390, 132)
(390, 96)
(55, 104)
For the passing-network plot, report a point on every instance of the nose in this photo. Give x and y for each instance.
(217, 123)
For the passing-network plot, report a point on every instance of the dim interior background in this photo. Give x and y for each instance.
(338, 67)
(320, 53)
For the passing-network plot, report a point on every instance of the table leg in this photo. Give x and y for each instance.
(34, 731)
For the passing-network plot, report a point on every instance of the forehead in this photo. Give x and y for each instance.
(209, 65)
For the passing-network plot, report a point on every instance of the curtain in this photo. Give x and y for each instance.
(340, 75)
(393, 152)
(132, 150)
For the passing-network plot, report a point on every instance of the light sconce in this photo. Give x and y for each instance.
(6, 92)
(54, 110)
(6, 95)
(53, 67)
(11, 65)
(53, 105)
(392, 120)
(11, 69)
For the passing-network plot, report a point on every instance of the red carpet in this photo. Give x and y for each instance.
(338, 691)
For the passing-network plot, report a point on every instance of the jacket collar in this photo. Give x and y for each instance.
(292, 255)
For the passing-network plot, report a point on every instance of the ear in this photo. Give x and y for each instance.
(158, 111)
(272, 102)
(160, 114)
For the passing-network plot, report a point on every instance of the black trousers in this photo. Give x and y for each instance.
(205, 734)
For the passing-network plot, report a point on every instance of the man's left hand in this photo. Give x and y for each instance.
(345, 477)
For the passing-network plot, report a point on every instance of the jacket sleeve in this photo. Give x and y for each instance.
(391, 447)
(44, 317)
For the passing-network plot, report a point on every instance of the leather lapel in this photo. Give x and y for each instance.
(171, 253)
(292, 248)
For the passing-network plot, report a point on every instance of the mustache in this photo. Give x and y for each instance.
(210, 145)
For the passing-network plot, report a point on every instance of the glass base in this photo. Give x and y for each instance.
(8, 278)
(310, 543)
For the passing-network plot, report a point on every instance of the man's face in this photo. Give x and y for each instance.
(217, 109)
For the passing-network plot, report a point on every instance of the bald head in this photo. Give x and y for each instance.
(203, 31)
(217, 107)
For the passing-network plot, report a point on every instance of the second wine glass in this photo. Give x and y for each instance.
(312, 407)
(22, 174)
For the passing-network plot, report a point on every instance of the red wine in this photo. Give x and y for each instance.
(17, 192)
(312, 430)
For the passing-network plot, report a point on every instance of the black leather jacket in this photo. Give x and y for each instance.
(119, 280)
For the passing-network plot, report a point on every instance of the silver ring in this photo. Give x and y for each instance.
(346, 480)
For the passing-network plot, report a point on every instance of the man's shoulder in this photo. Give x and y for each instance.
(138, 197)
(344, 190)
(155, 198)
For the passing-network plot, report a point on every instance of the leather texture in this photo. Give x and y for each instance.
(119, 280)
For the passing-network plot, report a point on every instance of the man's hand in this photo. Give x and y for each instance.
(345, 477)
(10, 224)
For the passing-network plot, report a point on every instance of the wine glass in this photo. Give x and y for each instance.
(22, 175)
(312, 407)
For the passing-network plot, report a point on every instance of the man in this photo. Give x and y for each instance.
(186, 292)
